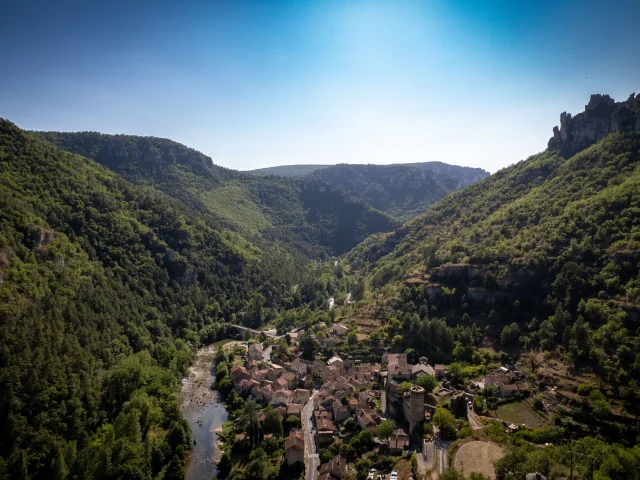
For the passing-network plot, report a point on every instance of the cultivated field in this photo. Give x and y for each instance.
(519, 413)
(477, 457)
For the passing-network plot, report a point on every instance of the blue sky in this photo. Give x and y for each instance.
(256, 84)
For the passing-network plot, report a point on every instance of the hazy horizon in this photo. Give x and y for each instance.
(255, 85)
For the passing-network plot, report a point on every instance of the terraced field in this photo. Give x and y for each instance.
(477, 457)
(519, 413)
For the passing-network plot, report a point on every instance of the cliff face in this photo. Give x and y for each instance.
(601, 116)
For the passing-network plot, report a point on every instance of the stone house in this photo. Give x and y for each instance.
(337, 362)
(339, 329)
(294, 409)
(281, 397)
(294, 447)
(255, 352)
(340, 411)
(334, 468)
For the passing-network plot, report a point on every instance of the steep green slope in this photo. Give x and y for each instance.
(308, 217)
(106, 289)
(403, 190)
(540, 261)
(543, 256)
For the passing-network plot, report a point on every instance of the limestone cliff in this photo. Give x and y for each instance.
(601, 116)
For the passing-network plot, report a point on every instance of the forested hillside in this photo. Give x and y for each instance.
(403, 190)
(310, 218)
(293, 171)
(106, 289)
(542, 257)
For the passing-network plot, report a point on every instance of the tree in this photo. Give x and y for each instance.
(510, 335)
(310, 382)
(362, 466)
(478, 476)
(18, 465)
(256, 469)
(249, 419)
(385, 429)
(220, 356)
(358, 290)
(225, 387)
(412, 355)
(175, 469)
(456, 370)
(291, 422)
(309, 346)
(362, 442)
(404, 387)
(451, 474)
(428, 382)
(257, 302)
(221, 371)
(450, 293)
(177, 436)
(396, 343)
(512, 465)
(463, 353)
(538, 403)
(272, 423)
(445, 421)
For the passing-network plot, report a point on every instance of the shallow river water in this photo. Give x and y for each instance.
(204, 412)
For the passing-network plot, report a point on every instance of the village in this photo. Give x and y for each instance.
(407, 413)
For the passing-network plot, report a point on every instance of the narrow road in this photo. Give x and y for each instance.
(269, 333)
(442, 464)
(266, 354)
(441, 446)
(429, 453)
(424, 459)
(311, 458)
(474, 421)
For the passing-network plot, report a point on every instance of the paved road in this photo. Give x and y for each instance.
(475, 422)
(442, 446)
(442, 463)
(429, 453)
(269, 333)
(266, 354)
(312, 461)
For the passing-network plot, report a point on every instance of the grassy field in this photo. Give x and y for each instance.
(477, 457)
(519, 413)
(234, 205)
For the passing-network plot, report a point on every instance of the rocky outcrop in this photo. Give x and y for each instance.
(601, 116)
(433, 291)
(454, 272)
(484, 296)
(42, 237)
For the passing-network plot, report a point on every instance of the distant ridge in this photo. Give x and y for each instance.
(402, 190)
(306, 217)
(291, 171)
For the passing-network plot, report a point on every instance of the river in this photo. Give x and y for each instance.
(202, 408)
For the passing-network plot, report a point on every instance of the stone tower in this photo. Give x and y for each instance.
(416, 406)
